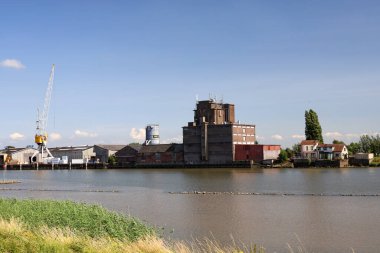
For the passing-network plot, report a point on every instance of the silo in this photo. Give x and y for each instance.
(152, 134)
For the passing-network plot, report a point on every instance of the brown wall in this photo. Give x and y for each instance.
(257, 153)
(168, 157)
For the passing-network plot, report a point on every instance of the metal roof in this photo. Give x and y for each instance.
(70, 148)
(111, 147)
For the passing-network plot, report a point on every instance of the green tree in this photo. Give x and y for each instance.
(313, 130)
(370, 144)
(283, 156)
(376, 145)
(289, 152)
(353, 148)
(112, 160)
(296, 148)
(365, 144)
(338, 142)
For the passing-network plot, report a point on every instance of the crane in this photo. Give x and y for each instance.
(42, 119)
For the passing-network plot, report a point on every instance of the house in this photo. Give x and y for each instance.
(103, 152)
(15, 156)
(332, 152)
(160, 154)
(309, 149)
(128, 154)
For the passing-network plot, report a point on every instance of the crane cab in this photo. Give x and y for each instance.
(40, 139)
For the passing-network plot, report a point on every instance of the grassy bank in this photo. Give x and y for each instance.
(65, 226)
(88, 220)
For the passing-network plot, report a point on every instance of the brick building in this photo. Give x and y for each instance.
(212, 136)
(128, 155)
(257, 153)
(160, 154)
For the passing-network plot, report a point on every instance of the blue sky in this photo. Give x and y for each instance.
(123, 64)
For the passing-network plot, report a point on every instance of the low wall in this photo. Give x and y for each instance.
(359, 162)
(55, 166)
(306, 163)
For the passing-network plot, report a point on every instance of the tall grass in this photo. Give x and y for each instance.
(89, 220)
(16, 237)
(65, 226)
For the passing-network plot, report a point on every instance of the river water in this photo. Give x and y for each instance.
(299, 207)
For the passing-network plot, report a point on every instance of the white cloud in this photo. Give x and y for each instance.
(178, 139)
(352, 136)
(277, 137)
(55, 136)
(333, 135)
(79, 133)
(298, 136)
(260, 137)
(16, 136)
(12, 63)
(137, 134)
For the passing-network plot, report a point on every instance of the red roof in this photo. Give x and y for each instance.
(337, 147)
(309, 142)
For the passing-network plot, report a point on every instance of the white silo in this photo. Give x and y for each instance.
(152, 135)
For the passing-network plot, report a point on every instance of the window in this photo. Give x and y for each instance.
(243, 130)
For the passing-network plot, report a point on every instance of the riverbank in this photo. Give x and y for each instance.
(65, 226)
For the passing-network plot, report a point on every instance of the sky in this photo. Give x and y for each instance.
(121, 65)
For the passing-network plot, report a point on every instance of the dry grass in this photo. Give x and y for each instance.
(15, 236)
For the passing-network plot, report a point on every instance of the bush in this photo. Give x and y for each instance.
(283, 156)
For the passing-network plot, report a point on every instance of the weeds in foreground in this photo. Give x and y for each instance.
(16, 237)
(90, 220)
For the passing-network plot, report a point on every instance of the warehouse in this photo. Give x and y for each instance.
(74, 154)
(13, 156)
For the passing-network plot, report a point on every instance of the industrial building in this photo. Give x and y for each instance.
(165, 154)
(257, 153)
(13, 156)
(127, 156)
(213, 134)
(103, 152)
(152, 135)
(214, 137)
(74, 154)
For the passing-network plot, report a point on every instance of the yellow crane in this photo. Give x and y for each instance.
(42, 119)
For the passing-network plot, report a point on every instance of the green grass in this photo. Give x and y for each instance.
(65, 226)
(88, 220)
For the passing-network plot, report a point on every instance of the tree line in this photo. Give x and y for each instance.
(313, 131)
(366, 144)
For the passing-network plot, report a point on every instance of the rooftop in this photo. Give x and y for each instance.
(309, 142)
(70, 148)
(111, 147)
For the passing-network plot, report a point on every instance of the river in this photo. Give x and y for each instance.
(269, 207)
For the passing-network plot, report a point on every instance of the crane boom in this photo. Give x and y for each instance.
(45, 112)
(41, 133)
